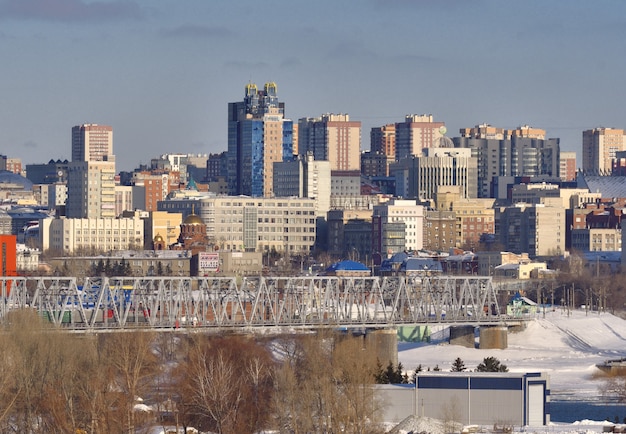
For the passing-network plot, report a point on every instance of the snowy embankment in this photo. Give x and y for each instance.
(566, 345)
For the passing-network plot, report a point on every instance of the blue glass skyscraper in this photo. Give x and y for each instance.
(258, 136)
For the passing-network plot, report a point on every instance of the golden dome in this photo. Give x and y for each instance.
(193, 219)
(158, 238)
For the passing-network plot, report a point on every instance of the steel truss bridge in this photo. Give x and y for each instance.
(251, 302)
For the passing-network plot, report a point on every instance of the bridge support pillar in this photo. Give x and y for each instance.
(462, 335)
(384, 343)
(493, 337)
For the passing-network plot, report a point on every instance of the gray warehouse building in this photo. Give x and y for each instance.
(471, 398)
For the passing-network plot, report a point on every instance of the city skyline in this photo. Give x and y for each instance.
(161, 73)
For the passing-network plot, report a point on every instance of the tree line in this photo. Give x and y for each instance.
(52, 381)
(397, 375)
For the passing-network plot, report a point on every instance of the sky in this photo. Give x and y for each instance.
(161, 72)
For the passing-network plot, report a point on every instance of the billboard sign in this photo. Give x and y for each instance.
(208, 262)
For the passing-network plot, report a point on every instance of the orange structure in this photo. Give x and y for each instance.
(8, 255)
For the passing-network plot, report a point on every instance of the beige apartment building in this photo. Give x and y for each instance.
(242, 223)
(69, 235)
(416, 133)
(91, 189)
(383, 141)
(567, 166)
(536, 229)
(91, 142)
(473, 216)
(599, 148)
(534, 193)
(597, 239)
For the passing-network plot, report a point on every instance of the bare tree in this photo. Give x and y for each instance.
(134, 366)
(327, 387)
(226, 384)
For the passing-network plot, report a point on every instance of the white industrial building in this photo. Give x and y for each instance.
(471, 398)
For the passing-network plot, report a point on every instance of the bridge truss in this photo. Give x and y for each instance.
(229, 302)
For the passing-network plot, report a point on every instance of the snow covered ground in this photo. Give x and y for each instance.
(566, 345)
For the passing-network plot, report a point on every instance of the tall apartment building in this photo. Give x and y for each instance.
(599, 148)
(473, 218)
(241, 223)
(91, 142)
(383, 140)
(91, 189)
(332, 137)
(304, 177)
(91, 173)
(407, 212)
(521, 152)
(536, 229)
(258, 136)
(375, 164)
(416, 133)
(567, 167)
(420, 177)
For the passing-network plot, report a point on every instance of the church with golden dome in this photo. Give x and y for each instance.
(193, 235)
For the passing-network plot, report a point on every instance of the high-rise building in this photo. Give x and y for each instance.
(521, 152)
(536, 229)
(304, 177)
(567, 169)
(599, 148)
(420, 177)
(258, 136)
(91, 173)
(416, 133)
(408, 212)
(383, 140)
(332, 137)
(91, 189)
(91, 142)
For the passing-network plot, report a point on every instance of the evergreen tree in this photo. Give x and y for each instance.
(458, 365)
(491, 364)
(108, 268)
(127, 269)
(391, 374)
(99, 268)
(417, 371)
(379, 375)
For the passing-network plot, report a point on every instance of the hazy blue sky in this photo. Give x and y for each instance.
(161, 72)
